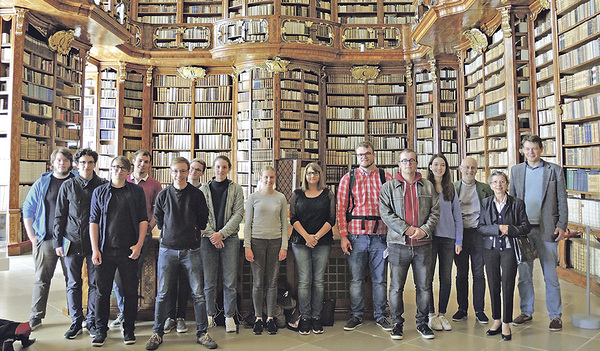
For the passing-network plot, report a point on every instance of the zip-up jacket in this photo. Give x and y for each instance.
(234, 210)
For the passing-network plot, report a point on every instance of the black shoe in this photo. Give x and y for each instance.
(506, 337)
(304, 326)
(92, 330)
(397, 332)
(73, 331)
(352, 324)
(425, 331)
(492, 332)
(154, 342)
(205, 340)
(271, 327)
(317, 327)
(385, 324)
(129, 337)
(481, 317)
(258, 327)
(35, 323)
(99, 339)
(459, 316)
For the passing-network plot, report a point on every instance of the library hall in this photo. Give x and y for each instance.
(317, 175)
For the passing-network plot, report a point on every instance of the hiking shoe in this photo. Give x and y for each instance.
(211, 322)
(556, 324)
(434, 323)
(459, 316)
(258, 327)
(397, 333)
(205, 340)
(352, 324)
(169, 325)
(481, 317)
(129, 337)
(271, 327)
(181, 326)
(73, 331)
(154, 342)
(304, 326)
(317, 327)
(522, 319)
(385, 324)
(230, 326)
(425, 331)
(35, 323)
(117, 322)
(445, 323)
(99, 339)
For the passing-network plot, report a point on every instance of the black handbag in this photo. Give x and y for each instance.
(523, 249)
(328, 312)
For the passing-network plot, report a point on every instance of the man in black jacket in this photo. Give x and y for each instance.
(181, 214)
(72, 238)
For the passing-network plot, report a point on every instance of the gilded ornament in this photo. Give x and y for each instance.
(505, 11)
(191, 72)
(365, 72)
(122, 71)
(277, 65)
(477, 39)
(408, 75)
(19, 19)
(433, 71)
(149, 76)
(61, 41)
(545, 4)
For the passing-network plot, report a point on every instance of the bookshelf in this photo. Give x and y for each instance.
(375, 11)
(448, 120)
(426, 113)
(323, 10)
(90, 107)
(107, 120)
(202, 11)
(523, 93)
(68, 108)
(474, 119)
(157, 12)
(6, 67)
(132, 112)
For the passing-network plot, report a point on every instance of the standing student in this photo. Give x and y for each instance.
(197, 170)
(312, 215)
(446, 240)
(38, 219)
(220, 241)
(118, 226)
(181, 215)
(72, 239)
(265, 245)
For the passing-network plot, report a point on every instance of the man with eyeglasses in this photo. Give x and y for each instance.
(118, 226)
(363, 236)
(470, 194)
(142, 161)
(541, 185)
(72, 239)
(197, 170)
(181, 214)
(409, 206)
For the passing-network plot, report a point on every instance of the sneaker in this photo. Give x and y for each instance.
(434, 323)
(205, 340)
(481, 317)
(445, 323)
(556, 324)
(397, 332)
(459, 316)
(92, 330)
(258, 327)
(211, 322)
(73, 331)
(425, 331)
(385, 324)
(129, 337)
(181, 326)
(99, 339)
(35, 323)
(352, 324)
(154, 342)
(271, 327)
(304, 326)
(117, 322)
(230, 326)
(169, 325)
(522, 319)
(317, 327)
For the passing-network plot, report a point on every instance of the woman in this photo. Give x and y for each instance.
(502, 219)
(265, 243)
(312, 215)
(446, 241)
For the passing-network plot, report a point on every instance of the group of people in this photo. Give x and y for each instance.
(405, 220)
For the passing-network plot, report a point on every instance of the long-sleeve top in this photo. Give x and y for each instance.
(312, 213)
(181, 215)
(151, 188)
(266, 218)
(234, 210)
(450, 224)
(514, 216)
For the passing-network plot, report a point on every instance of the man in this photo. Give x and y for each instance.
(181, 214)
(220, 241)
(142, 160)
(470, 194)
(38, 219)
(409, 206)
(197, 170)
(72, 239)
(363, 235)
(541, 185)
(118, 226)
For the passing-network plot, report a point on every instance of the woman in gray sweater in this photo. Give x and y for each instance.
(265, 243)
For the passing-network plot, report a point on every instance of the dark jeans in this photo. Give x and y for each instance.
(501, 268)
(74, 264)
(180, 296)
(472, 248)
(105, 273)
(169, 262)
(117, 285)
(442, 250)
(310, 265)
(265, 269)
(401, 257)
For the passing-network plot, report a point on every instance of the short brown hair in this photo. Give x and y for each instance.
(65, 152)
(177, 160)
(200, 161)
(366, 144)
(532, 138)
(124, 161)
(143, 153)
(407, 151)
(316, 168)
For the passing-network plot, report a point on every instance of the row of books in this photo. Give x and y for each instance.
(588, 106)
(584, 212)
(583, 180)
(581, 79)
(585, 10)
(582, 54)
(588, 132)
(33, 149)
(582, 156)
(31, 59)
(578, 257)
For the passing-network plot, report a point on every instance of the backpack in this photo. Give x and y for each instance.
(351, 205)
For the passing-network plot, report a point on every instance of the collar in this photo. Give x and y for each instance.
(133, 180)
(365, 173)
(538, 166)
(467, 184)
(503, 200)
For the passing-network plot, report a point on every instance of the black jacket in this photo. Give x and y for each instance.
(72, 216)
(515, 217)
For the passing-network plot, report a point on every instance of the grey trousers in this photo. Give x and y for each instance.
(44, 260)
(265, 269)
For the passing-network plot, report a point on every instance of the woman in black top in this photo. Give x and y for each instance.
(312, 215)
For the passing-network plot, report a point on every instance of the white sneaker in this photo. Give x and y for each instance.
(434, 323)
(445, 323)
(211, 322)
(230, 326)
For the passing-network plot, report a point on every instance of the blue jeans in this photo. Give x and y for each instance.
(74, 264)
(367, 251)
(169, 263)
(227, 258)
(548, 253)
(442, 249)
(265, 269)
(401, 258)
(473, 247)
(117, 287)
(310, 265)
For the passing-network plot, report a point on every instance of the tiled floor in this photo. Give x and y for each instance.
(15, 297)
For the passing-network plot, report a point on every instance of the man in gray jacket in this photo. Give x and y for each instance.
(541, 185)
(409, 206)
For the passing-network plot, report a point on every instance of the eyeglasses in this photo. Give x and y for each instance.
(501, 182)
(196, 169)
(312, 173)
(366, 154)
(86, 162)
(119, 168)
(407, 161)
(179, 171)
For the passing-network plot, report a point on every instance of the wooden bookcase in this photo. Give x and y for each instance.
(426, 112)
(474, 120)
(108, 122)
